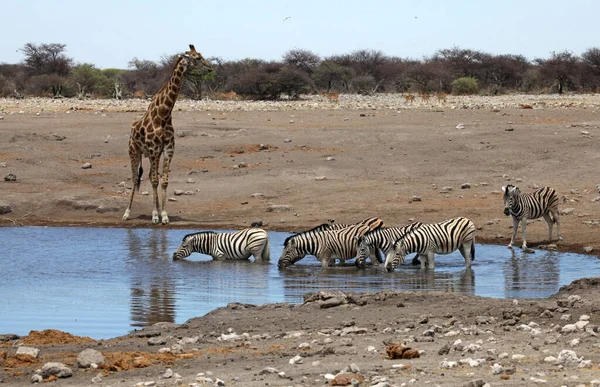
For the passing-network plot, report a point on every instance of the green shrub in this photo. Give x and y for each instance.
(465, 86)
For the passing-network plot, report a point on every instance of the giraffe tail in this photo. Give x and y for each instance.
(139, 179)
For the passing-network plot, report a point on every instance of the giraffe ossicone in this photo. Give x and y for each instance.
(153, 135)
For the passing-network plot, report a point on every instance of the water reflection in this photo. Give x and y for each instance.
(526, 273)
(153, 295)
(306, 278)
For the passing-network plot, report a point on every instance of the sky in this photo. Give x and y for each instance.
(109, 33)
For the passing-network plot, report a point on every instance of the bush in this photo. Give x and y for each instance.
(364, 84)
(465, 86)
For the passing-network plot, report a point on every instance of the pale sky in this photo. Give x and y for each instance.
(110, 33)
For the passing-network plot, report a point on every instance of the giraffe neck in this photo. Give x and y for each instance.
(168, 94)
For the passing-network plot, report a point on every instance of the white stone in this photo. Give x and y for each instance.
(550, 359)
(496, 368)
(569, 328)
(296, 359)
(28, 351)
(581, 324)
(448, 364)
(566, 357)
(89, 356)
(574, 343)
(584, 317)
(503, 355)
(518, 357)
(57, 369)
(538, 381)
(585, 364)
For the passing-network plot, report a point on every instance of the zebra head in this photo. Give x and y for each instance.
(291, 253)
(363, 250)
(184, 250)
(510, 191)
(393, 260)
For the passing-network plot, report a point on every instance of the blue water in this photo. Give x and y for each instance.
(105, 282)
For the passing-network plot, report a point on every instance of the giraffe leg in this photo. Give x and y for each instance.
(164, 183)
(154, 163)
(136, 160)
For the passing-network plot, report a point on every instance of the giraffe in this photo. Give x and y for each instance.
(153, 134)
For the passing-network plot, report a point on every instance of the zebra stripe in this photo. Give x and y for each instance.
(439, 238)
(325, 245)
(225, 246)
(373, 223)
(524, 206)
(381, 239)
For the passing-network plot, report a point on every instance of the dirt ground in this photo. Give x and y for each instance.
(293, 169)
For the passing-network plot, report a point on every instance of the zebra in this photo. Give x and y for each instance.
(441, 238)
(325, 245)
(382, 239)
(227, 246)
(373, 223)
(523, 206)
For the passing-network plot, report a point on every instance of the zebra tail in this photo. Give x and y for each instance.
(473, 250)
(266, 253)
(139, 178)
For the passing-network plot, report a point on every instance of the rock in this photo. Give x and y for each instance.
(567, 357)
(56, 369)
(86, 166)
(397, 351)
(586, 249)
(460, 126)
(157, 341)
(320, 178)
(279, 208)
(414, 198)
(347, 379)
(190, 180)
(89, 356)
(178, 192)
(475, 383)
(36, 378)
(465, 186)
(296, 360)
(567, 211)
(24, 353)
(10, 177)
(168, 374)
(448, 364)
(332, 302)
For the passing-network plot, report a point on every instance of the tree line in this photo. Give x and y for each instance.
(47, 70)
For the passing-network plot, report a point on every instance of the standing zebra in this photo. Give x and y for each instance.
(225, 246)
(325, 245)
(438, 238)
(523, 206)
(381, 239)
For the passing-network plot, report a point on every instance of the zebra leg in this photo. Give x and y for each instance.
(423, 262)
(465, 250)
(557, 221)
(548, 220)
(430, 264)
(514, 233)
(524, 227)
(325, 260)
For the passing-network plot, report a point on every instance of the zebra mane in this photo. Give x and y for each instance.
(511, 188)
(321, 227)
(197, 233)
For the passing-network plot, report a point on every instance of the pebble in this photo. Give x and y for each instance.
(86, 166)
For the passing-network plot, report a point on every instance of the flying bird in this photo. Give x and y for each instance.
(289, 17)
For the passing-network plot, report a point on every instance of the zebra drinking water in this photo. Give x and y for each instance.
(225, 246)
(439, 238)
(325, 245)
(523, 206)
(381, 239)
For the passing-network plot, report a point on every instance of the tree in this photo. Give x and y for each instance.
(303, 60)
(460, 62)
(328, 75)
(49, 63)
(505, 71)
(560, 68)
(88, 78)
(293, 82)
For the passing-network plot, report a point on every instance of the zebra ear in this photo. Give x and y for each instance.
(503, 189)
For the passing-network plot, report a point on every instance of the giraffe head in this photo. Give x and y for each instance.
(193, 59)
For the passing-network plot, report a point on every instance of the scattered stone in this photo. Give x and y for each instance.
(158, 340)
(460, 126)
(475, 383)
(586, 249)
(567, 211)
(178, 192)
(347, 379)
(36, 378)
(86, 166)
(56, 369)
(10, 177)
(567, 357)
(397, 351)
(189, 180)
(89, 356)
(26, 353)
(296, 360)
(320, 178)
(465, 186)
(279, 208)
(414, 198)
(5, 208)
